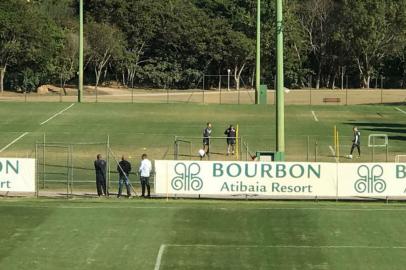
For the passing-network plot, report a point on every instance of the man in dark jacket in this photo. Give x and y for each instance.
(231, 138)
(100, 168)
(206, 138)
(124, 169)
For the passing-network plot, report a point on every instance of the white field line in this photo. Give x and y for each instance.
(289, 246)
(15, 140)
(59, 113)
(315, 116)
(8, 204)
(159, 257)
(333, 152)
(400, 110)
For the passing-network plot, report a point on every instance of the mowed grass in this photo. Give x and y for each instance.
(134, 129)
(127, 234)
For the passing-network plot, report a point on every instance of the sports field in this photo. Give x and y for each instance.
(181, 234)
(133, 129)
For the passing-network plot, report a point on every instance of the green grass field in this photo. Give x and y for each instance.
(137, 128)
(128, 234)
(185, 234)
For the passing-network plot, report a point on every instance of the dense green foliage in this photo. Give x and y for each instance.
(173, 43)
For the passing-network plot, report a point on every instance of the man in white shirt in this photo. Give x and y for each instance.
(145, 172)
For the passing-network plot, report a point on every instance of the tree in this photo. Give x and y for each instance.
(372, 29)
(104, 42)
(67, 59)
(239, 53)
(315, 17)
(10, 33)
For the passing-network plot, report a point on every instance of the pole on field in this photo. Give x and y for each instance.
(280, 102)
(80, 90)
(108, 166)
(258, 57)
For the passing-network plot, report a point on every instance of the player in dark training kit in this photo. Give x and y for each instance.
(206, 138)
(100, 168)
(231, 138)
(356, 142)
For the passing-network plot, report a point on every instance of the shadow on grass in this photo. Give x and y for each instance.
(395, 131)
(18, 225)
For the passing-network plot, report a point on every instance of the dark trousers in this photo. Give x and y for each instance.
(145, 183)
(101, 185)
(123, 180)
(355, 146)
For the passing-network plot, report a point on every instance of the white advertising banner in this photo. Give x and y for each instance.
(286, 179)
(372, 179)
(17, 175)
(253, 178)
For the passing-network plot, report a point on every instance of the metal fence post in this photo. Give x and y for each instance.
(108, 166)
(308, 146)
(43, 162)
(203, 89)
(36, 170)
(67, 173)
(72, 170)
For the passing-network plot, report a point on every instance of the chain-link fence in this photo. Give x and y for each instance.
(224, 89)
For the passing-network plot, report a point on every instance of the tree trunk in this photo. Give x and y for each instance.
(124, 82)
(318, 78)
(366, 81)
(333, 84)
(97, 73)
(237, 76)
(342, 77)
(2, 73)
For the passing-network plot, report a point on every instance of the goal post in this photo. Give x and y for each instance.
(378, 141)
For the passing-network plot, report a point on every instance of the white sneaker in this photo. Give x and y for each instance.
(350, 156)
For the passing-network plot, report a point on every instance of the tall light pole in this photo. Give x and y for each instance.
(280, 100)
(80, 88)
(258, 57)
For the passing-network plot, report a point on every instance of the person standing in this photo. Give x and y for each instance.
(145, 173)
(100, 168)
(356, 142)
(124, 169)
(206, 138)
(231, 138)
